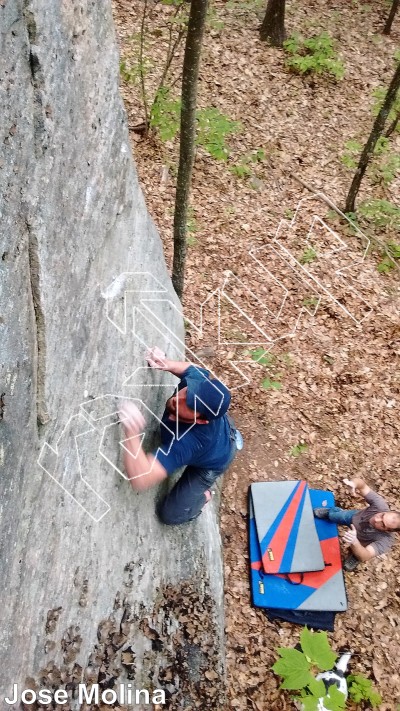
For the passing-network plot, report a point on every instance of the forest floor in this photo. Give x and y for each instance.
(329, 407)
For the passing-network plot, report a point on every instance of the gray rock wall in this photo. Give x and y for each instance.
(85, 567)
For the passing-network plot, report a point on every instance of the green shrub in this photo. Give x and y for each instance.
(388, 263)
(300, 448)
(308, 256)
(380, 213)
(352, 150)
(315, 55)
(268, 360)
(213, 127)
(165, 114)
(361, 689)
(385, 165)
(243, 169)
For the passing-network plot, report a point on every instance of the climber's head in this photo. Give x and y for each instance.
(200, 401)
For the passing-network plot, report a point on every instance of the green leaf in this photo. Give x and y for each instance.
(361, 689)
(308, 255)
(213, 128)
(313, 55)
(298, 449)
(335, 700)
(294, 668)
(316, 647)
(311, 703)
(385, 266)
(258, 353)
(317, 687)
(394, 249)
(269, 384)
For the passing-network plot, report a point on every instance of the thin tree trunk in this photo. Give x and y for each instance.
(392, 13)
(190, 74)
(273, 27)
(369, 147)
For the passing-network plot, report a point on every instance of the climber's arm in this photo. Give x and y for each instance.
(157, 359)
(143, 470)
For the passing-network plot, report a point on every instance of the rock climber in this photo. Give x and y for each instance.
(196, 433)
(371, 529)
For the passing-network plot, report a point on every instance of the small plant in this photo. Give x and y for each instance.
(165, 114)
(298, 669)
(191, 241)
(352, 150)
(289, 214)
(263, 357)
(132, 74)
(245, 5)
(361, 689)
(308, 256)
(269, 384)
(213, 21)
(260, 355)
(388, 263)
(243, 168)
(385, 172)
(380, 213)
(310, 302)
(384, 167)
(298, 449)
(213, 128)
(315, 55)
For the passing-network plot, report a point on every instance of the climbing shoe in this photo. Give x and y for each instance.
(321, 513)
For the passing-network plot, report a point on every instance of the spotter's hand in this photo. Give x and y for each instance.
(351, 485)
(350, 537)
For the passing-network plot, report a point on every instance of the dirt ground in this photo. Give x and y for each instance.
(329, 407)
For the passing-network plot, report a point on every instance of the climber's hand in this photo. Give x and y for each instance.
(157, 359)
(131, 417)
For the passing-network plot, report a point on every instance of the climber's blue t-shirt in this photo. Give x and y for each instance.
(206, 446)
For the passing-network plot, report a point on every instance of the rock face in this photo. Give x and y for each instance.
(86, 570)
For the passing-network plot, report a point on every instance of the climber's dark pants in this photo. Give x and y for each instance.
(186, 500)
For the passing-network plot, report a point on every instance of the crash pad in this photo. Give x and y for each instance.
(314, 590)
(285, 526)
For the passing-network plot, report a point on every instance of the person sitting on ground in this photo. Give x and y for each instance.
(196, 433)
(371, 529)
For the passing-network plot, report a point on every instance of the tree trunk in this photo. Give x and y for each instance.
(392, 13)
(369, 147)
(273, 27)
(190, 74)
